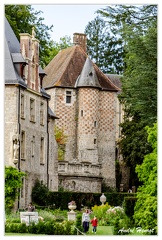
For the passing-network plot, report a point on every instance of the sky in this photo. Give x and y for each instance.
(67, 18)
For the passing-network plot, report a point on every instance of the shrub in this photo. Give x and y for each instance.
(129, 204)
(16, 228)
(49, 228)
(40, 193)
(78, 223)
(100, 213)
(13, 181)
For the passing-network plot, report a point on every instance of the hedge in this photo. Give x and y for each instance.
(61, 199)
(49, 228)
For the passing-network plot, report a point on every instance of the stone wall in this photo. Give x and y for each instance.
(34, 162)
(10, 120)
(89, 122)
(106, 141)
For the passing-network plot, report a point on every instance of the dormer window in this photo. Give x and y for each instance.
(90, 74)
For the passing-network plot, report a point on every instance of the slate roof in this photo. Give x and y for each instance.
(88, 76)
(115, 79)
(12, 57)
(66, 67)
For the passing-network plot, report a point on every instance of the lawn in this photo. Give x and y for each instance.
(101, 230)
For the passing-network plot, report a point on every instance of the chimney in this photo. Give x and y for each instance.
(81, 40)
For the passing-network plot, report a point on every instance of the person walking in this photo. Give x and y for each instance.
(85, 220)
(94, 222)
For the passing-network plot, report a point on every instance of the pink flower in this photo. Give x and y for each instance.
(72, 203)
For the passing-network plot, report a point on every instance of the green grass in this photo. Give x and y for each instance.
(101, 230)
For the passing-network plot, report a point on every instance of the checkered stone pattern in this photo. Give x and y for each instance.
(89, 104)
(88, 101)
(107, 132)
(66, 112)
(107, 110)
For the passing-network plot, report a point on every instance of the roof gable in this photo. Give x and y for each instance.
(65, 69)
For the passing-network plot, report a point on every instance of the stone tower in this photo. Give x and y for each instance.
(84, 99)
(88, 117)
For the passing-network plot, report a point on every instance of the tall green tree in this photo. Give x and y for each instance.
(102, 47)
(136, 26)
(55, 47)
(145, 214)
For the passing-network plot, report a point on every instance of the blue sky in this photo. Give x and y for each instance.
(67, 18)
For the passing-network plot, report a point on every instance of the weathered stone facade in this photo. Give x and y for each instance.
(87, 115)
(30, 145)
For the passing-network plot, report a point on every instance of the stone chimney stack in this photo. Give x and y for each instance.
(81, 40)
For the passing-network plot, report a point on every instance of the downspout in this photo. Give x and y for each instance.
(19, 131)
(76, 129)
(47, 147)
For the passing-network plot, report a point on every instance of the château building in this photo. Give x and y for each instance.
(85, 101)
(29, 142)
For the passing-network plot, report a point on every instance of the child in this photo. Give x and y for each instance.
(94, 224)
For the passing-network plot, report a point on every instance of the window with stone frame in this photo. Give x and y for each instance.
(68, 96)
(32, 109)
(22, 102)
(42, 151)
(23, 145)
(42, 113)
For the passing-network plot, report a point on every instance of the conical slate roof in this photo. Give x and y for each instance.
(88, 77)
(66, 68)
(12, 57)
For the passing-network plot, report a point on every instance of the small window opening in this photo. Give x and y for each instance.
(95, 141)
(81, 113)
(68, 96)
(91, 74)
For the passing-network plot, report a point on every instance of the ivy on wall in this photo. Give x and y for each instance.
(61, 139)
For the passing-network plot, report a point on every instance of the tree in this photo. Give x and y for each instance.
(140, 75)
(133, 146)
(55, 47)
(13, 182)
(139, 92)
(136, 26)
(145, 214)
(102, 47)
